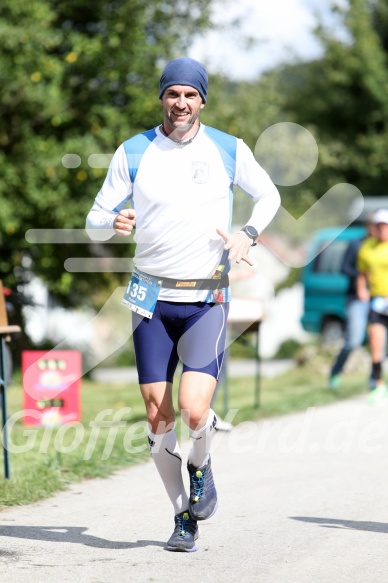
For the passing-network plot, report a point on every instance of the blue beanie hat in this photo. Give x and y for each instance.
(184, 71)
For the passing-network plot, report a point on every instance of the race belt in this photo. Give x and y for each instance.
(143, 290)
(200, 284)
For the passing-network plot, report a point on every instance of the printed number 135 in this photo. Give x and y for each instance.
(138, 291)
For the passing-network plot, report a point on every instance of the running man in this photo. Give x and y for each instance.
(178, 180)
(372, 284)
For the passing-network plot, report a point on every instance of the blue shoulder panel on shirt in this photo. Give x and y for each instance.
(135, 148)
(227, 146)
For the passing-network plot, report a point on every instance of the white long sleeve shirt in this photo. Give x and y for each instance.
(181, 195)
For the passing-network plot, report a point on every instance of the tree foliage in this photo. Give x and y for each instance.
(343, 98)
(77, 78)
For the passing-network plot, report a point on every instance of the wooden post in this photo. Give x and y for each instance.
(5, 332)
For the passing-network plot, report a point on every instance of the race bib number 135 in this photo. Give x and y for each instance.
(142, 293)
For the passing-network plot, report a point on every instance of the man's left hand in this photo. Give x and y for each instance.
(238, 245)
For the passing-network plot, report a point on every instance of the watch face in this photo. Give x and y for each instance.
(251, 232)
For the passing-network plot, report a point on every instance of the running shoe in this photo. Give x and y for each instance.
(185, 533)
(334, 382)
(203, 494)
(379, 395)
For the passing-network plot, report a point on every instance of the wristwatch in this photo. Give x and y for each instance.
(251, 233)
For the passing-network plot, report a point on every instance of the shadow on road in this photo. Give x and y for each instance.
(72, 534)
(344, 524)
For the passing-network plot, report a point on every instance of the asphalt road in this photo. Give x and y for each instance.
(302, 499)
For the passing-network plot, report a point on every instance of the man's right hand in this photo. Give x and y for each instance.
(125, 222)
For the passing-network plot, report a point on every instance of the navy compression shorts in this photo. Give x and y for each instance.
(191, 332)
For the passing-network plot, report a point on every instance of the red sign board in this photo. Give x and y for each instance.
(51, 383)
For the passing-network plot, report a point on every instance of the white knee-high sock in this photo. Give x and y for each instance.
(201, 441)
(165, 452)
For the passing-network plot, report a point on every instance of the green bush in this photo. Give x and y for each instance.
(288, 349)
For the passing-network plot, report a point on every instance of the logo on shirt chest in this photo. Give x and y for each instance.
(200, 172)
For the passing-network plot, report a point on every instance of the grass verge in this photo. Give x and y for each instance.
(112, 435)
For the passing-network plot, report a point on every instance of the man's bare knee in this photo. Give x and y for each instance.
(159, 421)
(195, 418)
